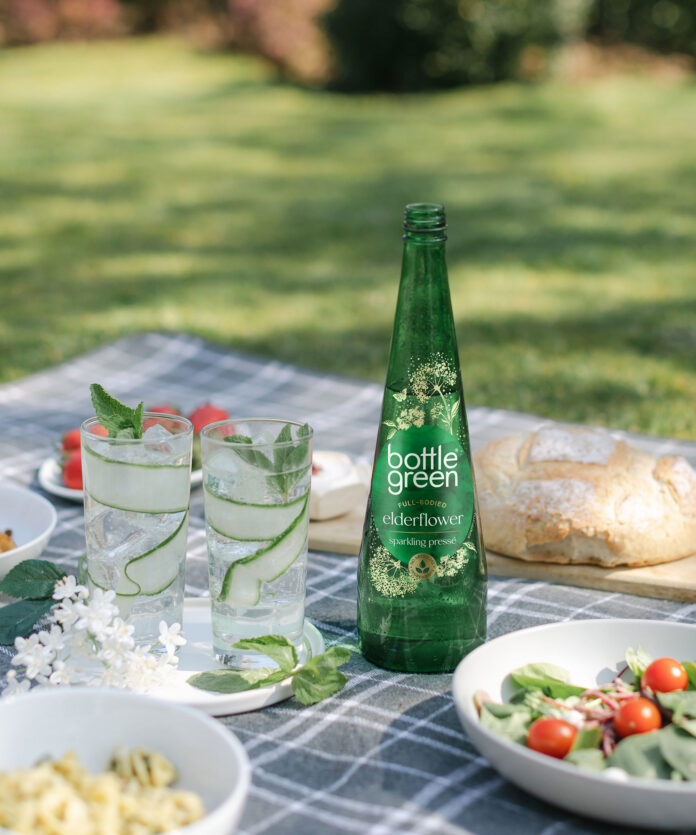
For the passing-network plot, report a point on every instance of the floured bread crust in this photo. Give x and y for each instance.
(569, 494)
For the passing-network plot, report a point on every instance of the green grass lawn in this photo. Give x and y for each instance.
(144, 185)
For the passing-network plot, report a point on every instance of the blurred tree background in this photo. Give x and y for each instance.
(404, 45)
(237, 169)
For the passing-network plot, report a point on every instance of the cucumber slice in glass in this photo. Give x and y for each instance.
(241, 585)
(142, 489)
(152, 572)
(250, 522)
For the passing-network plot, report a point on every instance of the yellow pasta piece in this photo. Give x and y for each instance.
(61, 798)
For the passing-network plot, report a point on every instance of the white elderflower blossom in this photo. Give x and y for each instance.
(52, 638)
(65, 614)
(170, 637)
(96, 613)
(15, 685)
(33, 656)
(68, 587)
(88, 643)
(117, 643)
(62, 673)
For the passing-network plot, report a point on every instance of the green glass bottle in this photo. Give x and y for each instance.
(422, 570)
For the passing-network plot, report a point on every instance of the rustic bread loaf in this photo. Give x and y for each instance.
(570, 494)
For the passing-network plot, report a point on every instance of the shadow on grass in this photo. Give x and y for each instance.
(267, 218)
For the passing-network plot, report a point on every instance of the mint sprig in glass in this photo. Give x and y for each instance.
(256, 480)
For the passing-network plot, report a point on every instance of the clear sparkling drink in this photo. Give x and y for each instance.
(136, 494)
(256, 479)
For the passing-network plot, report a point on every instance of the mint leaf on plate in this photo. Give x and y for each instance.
(31, 578)
(319, 678)
(236, 681)
(276, 647)
(19, 619)
(118, 419)
(316, 680)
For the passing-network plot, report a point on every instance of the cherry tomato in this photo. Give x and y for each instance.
(554, 737)
(639, 716)
(664, 676)
(71, 440)
(72, 470)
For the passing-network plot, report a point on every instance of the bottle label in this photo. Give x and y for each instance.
(422, 497)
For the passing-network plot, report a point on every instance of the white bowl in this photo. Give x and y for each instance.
(30, 517)
(592, 651)
(92, 721)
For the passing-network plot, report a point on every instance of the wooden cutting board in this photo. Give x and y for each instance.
(671, 580)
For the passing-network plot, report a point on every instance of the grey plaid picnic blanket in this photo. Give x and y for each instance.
(387, 754)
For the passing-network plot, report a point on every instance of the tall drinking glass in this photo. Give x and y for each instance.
(136, 519)
(256, 476)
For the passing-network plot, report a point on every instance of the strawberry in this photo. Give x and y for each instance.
(72, 470)
(206, 414)
(165, 409)
(71, 440)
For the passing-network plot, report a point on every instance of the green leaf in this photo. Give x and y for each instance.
(587, 739)
(638, 660)
(120, 420)
(591, 759)
(539, 705)
(236, 681)
(320, 678)
(19, 619)
(291, 464)
(640, 756)
(253, 457)
(690, 668)
(281, 452)
(678, 747)
(549, 678)
(31, 578)
(276, 647)
(510, 721)
(681, 702)
(688, 725)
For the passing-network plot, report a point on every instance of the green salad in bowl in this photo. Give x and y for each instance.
(640, 724)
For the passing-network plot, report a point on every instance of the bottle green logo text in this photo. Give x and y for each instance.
(422, 493)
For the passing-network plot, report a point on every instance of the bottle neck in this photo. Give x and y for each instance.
(425, 223)
(423, 326)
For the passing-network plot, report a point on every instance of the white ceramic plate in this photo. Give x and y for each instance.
(592, 651)
(30, 517)
(197, 656)
(93, 721)
(50, 478)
